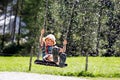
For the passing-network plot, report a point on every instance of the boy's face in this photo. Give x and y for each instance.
(49, 42)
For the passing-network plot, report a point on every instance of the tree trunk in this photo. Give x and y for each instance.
(14, 24)
(20, 10)
(3, 35)
(31, 56)
(86, 65)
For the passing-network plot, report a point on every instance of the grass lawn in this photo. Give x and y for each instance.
(98, 67)
(103, 78)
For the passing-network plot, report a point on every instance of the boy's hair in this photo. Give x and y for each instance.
(52, 37)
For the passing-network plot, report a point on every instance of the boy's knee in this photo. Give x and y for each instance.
(63, 55)
(55, 50)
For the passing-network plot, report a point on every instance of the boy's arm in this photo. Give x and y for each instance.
(64, 45)
(41, 37)
(64, 48)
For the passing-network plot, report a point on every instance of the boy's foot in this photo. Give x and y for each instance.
(62, 65)
(62, 60)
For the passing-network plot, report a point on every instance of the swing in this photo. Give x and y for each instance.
(51, 63)
(47, 63)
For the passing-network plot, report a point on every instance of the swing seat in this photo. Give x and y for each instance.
(46, 63)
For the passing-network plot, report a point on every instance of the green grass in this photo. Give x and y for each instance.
(97, 67)
(97, 78)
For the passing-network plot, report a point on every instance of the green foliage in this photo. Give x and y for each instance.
(100, 78)
(85, 74)
(88, 24)
(15, 50)
(91, 26)
(11, 50)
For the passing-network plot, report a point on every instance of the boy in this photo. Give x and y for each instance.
(50, 52)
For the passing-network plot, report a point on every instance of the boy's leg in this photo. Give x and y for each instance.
(62, 59)
(55, 52)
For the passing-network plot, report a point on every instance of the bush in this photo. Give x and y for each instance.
(15, 50)
(11, 49)
(117, 54)
(85, 74)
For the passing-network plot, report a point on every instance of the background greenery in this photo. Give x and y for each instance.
(90, 26)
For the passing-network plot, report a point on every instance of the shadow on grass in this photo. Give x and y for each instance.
(88, 74)
(79, 74)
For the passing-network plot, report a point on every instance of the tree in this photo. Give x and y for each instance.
(3, 35)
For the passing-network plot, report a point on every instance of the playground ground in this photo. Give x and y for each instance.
(100, 68)
(34, 76)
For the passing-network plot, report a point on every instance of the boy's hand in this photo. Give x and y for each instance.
(64, 42)
(42, 31)
(61, 50)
